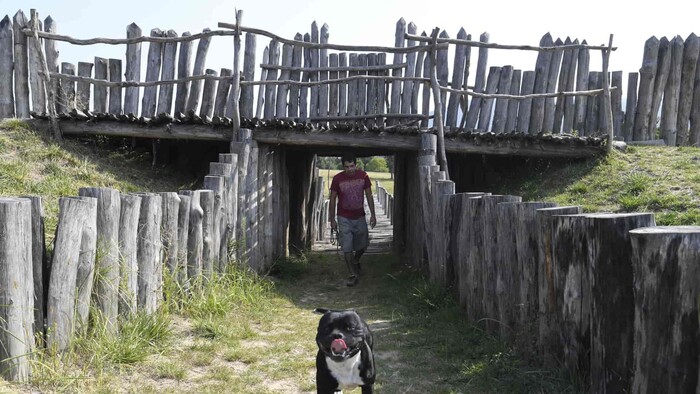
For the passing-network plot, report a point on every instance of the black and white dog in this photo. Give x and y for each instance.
(345, 359)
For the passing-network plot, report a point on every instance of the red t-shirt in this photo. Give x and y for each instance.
(351, 193)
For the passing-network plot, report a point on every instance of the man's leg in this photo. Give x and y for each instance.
(356, 260)
(345, 235)
(360, 241)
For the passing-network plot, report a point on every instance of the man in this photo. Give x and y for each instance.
(349, 188)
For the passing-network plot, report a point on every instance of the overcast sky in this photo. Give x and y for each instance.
(373, 22)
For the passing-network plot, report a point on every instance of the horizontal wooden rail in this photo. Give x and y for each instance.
(594, 92)
(133, 40)
(362, 117)
(480, 44)
(329, 81)
(386, 67)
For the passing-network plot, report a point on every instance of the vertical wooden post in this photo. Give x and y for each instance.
(236, 83)
(115, 92)
(100, 91)
(194, 236)
(21, 66)
(171, 210)
(206, 111)
(133, 71)
(86, 267)
(196, 86)
(232, 175)
(153, 66)
(82, 94)
(16, 290)
(39, 262)
(7, 95)
(149, 253)
(223, 90)
(165, 96)
(210, 246)
(51, 89)
(246, 97)
(219, 184)
(183, 226)
(435, 87)
(184, 70)
(607, 106)
(130, 207)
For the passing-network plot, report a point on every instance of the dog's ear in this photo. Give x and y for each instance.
(321, 311)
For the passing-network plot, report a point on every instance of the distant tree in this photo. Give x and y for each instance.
(377, 164)
(327, 162)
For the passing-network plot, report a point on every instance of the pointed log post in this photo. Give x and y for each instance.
(7, 96)
(50, 87)
(183, 226)
(86, 267)
(196, 87)
(434, 85)
(128, 246)
(150, 93)
(236, 83)
(39, 262)
(133, 70)
(184, 70)
(165, 96)
(100, 91)
(82, 94)
(170, 209)
(21, 66)
(149, 253)
(194, 236)
(607, 101)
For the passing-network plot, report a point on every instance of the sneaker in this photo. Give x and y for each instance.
(352, 281)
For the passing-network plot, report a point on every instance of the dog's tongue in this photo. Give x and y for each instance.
(338, 346)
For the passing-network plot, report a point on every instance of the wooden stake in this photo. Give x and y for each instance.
(438, 105)
(54, 128)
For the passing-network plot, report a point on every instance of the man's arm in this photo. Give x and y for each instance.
(331, 209)
(370, 203)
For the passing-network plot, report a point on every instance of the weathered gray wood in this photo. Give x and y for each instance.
(86, 267)
(115, 93)
(295, 75)
(593, 121)
(233, 175)
(271, 90)
(323, 75)
(21, 65)
(443, 269)
(694, 131)
(665, 261)
(222, 92)
(16, 289)
(252, 224)
(552, 77)
(549, 302)
(669, 110)
(570, 235)
(399, 42)
(261, 88)
(427, 73)
(82, 95)
(165, 95)
(491, 245)
(647, 74)
(153, 66)
(507, 281)
(542, 67)
(354, 60)
(149, 253)
(130, 210)
(170, 208)
(184, 69)
(208, 93)
(236, 81)
(229, 198)
(51, 61)
(612, 313)
(479, 84)
(193, 99)
(132, 70)
(486, 111)
(372, 88)
(219, 220)
(67, 87)
(283, 90)
(662, 70)
(343, 86)
(565, 84)
(457, 79)
(512, 110)
(525, 107)
(183, 226)
(526, 273)
(691, 50)
(108, 213)
(362, 87)
(631, 105)
(616, 104)
(194, 236)
(39, 262)
(210, 247)
(34, 63)
(417, 85)
(408, 86)
(7, 97)
(500, 113)
(100, 92)
(443, 73)
(333, 90)
(249, 65)
(60, 307)
(569, 101)
(584, 59)
(313, 76)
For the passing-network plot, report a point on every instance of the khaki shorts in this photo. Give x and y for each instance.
(352, 234)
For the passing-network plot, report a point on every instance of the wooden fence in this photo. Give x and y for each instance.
(610, 296)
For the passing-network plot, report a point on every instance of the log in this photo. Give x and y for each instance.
(500, 113)
(443, 268)
(170, 208)
(40, 267)
(565, 84)
(16, 290)
(333, 94)
(251, 192)
(542, 67)
(443, 74)
(323, 75)
(183, 225)
(60, 307)
(214, 223)
(283, 90)
(691, 50)
(669, 109)
(247, 100)
(222, 92)
(21, 66)
(465, 209)
(694, 131)
(149, 254)
(132, 70)
(207, 108)
(549, 302)
(581, 102)
(130, 210)
(108, 213)
(295, 75)
(261, 88)
(489, 265)
(165, 96)
(7, 96)
(507, 274)
(525, 109)
(631, 106)
(231, 173)
(100, 92)
(227, 221)
(616, 104)
(67, 87)
(153, 66)
(593, 119)
(193, 99)
(512, 110)
(86, 267)
(612, 313)
(35, 66)
(662, 70)
(372, 89)
(417, 85)
(457, 79)
(665, 261)
(399, 42)
(313, 76)
(51, 60)
(486, 111)
(647, 74)
(408, 86)
(569, 102)
(184, 70)
(243, 149)
(479, 83)
(194, 237)
(115, 93)
(82, 95)
(552, 76)
(271, 90)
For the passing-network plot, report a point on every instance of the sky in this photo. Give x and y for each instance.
(373, 22)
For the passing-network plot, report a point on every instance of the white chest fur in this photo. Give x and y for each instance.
(346, 372)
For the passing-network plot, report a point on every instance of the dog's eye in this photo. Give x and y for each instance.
(351, 327)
